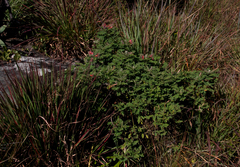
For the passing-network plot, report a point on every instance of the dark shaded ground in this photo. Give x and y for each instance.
(180, 4)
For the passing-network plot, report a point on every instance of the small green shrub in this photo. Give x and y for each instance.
(6, 54)
(150, 100)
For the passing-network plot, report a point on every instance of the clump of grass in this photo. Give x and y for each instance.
(56, 120)
(67, 28)
(193, 40)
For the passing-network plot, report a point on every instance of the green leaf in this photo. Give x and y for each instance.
(2, 44)
(3, 28)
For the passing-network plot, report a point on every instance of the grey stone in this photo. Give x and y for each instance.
(37, 62)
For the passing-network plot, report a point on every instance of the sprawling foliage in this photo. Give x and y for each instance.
(151, 99)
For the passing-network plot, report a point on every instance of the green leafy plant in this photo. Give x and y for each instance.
(151, 100)
(6, 54)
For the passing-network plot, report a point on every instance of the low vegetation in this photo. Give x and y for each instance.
(158, 85)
